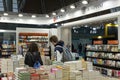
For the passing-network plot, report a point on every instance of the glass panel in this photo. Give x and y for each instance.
(14, 5)
(1, 9)
(14, 1)
(15, 10)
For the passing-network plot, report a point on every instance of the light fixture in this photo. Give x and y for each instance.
(72, 6)
(20, 15)
(99, 37)
(94, 28)
(62, 24)
(33, 16)
(5, 14)
(84, 2)
(56, 24)
(54, 13)
(62, 10)
(47, 16)
(86, 25)
(1, 30)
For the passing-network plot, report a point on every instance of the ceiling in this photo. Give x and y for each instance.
(44, 6)
(36, 6)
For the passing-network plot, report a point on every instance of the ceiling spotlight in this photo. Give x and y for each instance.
(54, 13)
(86, 25)
(84, 2)
(47, 16)
(5, 14)
(94, 28)
(20, 15)
(62, 10)
(72, 6)
(99, 37)
(33, 16)
(56, 24)
(62, 24)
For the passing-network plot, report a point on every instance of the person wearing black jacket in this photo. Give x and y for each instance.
(32, 55)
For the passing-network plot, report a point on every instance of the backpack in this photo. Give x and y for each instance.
(67, 54)
(36, 63)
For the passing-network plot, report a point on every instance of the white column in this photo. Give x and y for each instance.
(59, 33)
(66, 35)
(119, 29)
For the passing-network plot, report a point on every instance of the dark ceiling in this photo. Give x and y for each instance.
(44, 6)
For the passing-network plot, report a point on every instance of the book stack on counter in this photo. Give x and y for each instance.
(21, 62)
(6, 65)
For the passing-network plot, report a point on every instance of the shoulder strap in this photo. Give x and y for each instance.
(59, 46)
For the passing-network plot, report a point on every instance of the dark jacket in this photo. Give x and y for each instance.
(31, 58)
(60, 43)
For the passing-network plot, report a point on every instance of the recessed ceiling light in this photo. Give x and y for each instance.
(62, 10)
(72, 6)
(5, 14)
(54, 13)
(62, 24)
(94, 28)
(20, 15)
(56, 24)
(33, 16)
(86, 25)
(99, 37)
(47, 16)
(84, 2)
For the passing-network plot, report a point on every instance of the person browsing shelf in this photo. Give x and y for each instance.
(58, 50)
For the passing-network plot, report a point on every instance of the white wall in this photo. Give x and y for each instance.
(119, 30)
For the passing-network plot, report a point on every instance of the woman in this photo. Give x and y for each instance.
(33, 55)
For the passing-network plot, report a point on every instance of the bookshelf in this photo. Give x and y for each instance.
(41, 38)
(106, 58)
(8, 49)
